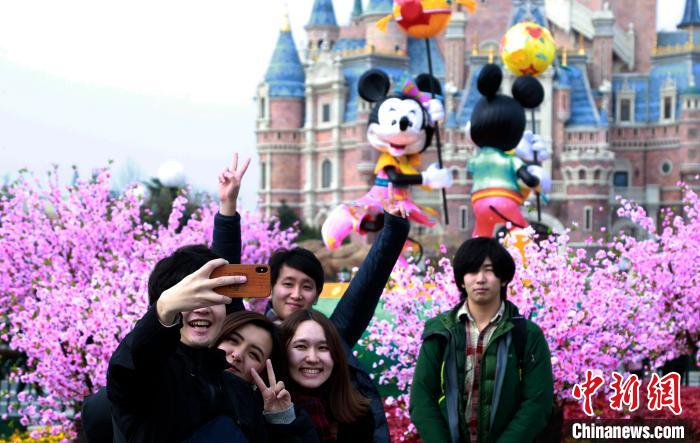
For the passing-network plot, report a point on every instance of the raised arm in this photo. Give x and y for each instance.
(227, 223)
(356, 307)
(135, 373)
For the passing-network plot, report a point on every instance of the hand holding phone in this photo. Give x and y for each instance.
(257, 284)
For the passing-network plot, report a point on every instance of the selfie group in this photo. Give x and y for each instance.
(199, 367)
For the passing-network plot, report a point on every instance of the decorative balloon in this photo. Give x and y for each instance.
(527, 49)
(423, 18)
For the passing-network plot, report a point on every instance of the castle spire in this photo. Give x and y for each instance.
(322, 14)
(356, 9)
(285, 73)
(691, 15)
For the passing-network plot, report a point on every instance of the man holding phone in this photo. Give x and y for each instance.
(165, 382)
(297, 282)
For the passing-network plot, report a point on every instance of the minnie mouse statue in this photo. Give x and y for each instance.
(401, 126)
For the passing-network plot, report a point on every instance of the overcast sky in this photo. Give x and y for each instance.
(143, 82)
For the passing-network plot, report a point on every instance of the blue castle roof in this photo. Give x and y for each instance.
(356, 9)
(285, 73)
(672, 38)
(322, 14)
(647, 88)
(377, 6)
(528, 12)
(583, 111)
(691, 14)
(418, 57)
(349, 43)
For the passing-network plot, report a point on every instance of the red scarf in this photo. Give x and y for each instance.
(320, 412)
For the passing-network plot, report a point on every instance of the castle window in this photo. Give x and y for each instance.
(624, 104)
(463, 218)
(668, 108)
(262, 107)
(588, 218)
(326, 113)
(326, 174)
(668, 100)
(263, 175)
(625, 110)
(666, 167)
(621, 179)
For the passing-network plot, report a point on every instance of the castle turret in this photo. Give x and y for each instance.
(388, 41)
(322, 29)
(280, 100)
(356, 10)
(281, 94)
(455, 47)
(603, 31)
(691, 15)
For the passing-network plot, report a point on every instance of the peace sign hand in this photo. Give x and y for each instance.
(230, 184)
(275, 397)
(393, 207)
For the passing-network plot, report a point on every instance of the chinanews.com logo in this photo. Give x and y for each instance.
(662, 393)
(623, 430)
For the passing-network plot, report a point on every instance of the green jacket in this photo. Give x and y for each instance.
(511, 409)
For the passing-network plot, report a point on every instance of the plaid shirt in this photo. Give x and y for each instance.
(475, 344)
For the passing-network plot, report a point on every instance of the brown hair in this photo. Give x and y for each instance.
(346, 403)
(239, 319)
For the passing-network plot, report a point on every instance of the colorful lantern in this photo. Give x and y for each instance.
(527, 49)
(423, 18)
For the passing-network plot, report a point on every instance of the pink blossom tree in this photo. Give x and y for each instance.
(74, 264)
(629, 300)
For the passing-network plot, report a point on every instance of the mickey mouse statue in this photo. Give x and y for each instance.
(401, 126)
(502, 179)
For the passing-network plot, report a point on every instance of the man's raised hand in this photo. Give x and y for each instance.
(392, 206)
(195, 291)
(229, 185)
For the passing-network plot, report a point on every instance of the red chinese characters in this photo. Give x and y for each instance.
(587, 390)
(665, 392)
(662, 392)
(625, 392)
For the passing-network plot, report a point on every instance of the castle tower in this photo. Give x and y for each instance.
(356, 11)
(322, 29)
(455, 46)
(280, 99)
(691, 15)
(602, 57)
(391, 40)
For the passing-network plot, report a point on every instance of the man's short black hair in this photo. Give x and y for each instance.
(169, 271)
(300, 259)
(471, 255)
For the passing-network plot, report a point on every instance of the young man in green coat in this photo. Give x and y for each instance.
(469, 385)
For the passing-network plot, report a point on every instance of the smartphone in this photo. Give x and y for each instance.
(257, 285)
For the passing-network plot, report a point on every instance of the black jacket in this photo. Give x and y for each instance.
(162, 390)
(356, 307)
